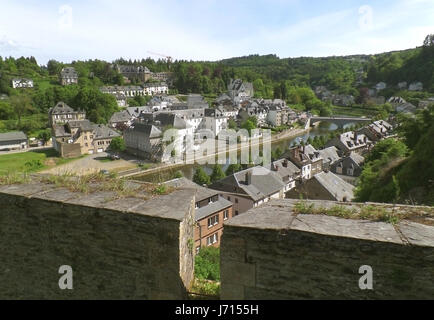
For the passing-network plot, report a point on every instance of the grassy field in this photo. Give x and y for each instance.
(32, 161)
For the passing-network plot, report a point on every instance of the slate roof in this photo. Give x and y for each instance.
(406, 108)
(133, 69)
(61, 108)
(283, 171)
(335, 185)
(121, 116)
(312, 153)
(357, 158)
(84, 125)
(69, 72)
(103, 132)
(13, 136)
(348, 139)
(329, 155)
(202, 193)
(60, 132)
(264, 183)
(136, 111)
(148, 130)
(170, 119)
(212, 208)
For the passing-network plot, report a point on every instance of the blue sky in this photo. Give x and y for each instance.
(210, 29)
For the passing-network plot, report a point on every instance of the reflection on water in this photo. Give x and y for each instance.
(188, 170)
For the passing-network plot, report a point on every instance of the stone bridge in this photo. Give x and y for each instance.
(339, 121)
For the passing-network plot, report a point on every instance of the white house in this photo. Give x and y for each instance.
(380, 86)
(151, 89)
(13, 140)
(22, 83)
(416, 86)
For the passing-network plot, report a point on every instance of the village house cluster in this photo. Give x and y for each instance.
(73, 135)
(327, 174)
(122, 93)
(143, 127)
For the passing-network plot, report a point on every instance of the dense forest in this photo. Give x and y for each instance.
(400, 170)
(408, 65)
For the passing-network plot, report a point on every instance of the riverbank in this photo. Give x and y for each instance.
(286, 135)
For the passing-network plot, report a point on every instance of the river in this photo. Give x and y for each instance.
(324, 128)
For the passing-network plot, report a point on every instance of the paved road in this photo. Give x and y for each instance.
(164, 166)
(91, 164)
(26, 150)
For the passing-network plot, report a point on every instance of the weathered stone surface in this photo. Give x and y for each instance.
(417, 234)
(318, 257)
(360, 229)
(115, 251)
(240, 273)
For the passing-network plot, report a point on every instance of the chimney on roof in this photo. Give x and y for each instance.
(249, 178)
(285, 163)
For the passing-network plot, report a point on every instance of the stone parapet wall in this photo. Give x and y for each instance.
(272, 253)
(127, 248)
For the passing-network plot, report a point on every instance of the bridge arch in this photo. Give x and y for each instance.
(339, 121)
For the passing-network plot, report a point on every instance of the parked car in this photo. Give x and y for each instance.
(114, 157)
(104, 172)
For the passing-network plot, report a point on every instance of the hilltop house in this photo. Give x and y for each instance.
(380, 86)
(148, 89)
(68, 76)
(415, 86)
(151, 89)
(62, 113)
(13, 141)
(250, 188)
(134, 73)
(211, 211)
(22, 83)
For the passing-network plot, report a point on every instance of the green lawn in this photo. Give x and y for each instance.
(32, 161)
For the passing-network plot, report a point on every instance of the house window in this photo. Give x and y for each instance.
(212, 239)
(226, 215)
(236, 200)
(213, 221)
(229, 198)
(236, 212)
